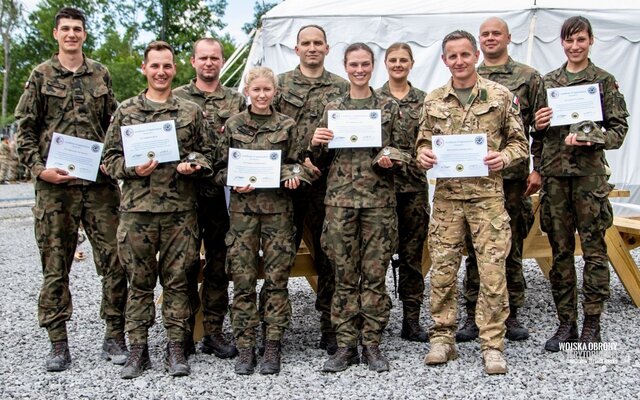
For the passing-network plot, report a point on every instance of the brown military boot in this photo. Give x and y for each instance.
(372, 356)
(329, 342)
(494, 362)
(515, 331)
(271, 359)
(246, 361)
(567, 332)
(115, 350)
(440, 353)
(174, 361)
(217, 345)
(469, 331)
(137, 362)
(341, 360)
(59, 357)
(591, 329)
(413, 332)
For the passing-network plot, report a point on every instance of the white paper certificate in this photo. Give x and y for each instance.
(355, 128)
(459, 156)
(574, 104)
(150, 141)
(79, 157)
(258, 168)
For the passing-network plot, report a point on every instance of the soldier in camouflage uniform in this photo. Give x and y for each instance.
(575, 188)
(7, 160)
(218, 104)
(359, 233)
(470, 104)
(412, 194)
(72, 95)
(524, 82)
(260, 219)
(302, 95)
(158, 211)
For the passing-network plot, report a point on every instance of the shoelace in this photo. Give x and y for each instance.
(59, 349)
(176, 351)
(137, 350)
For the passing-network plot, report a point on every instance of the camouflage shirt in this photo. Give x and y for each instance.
(525, 83)
(490, 109)
(55, 99)
(415, 179)
(218, 106)
(165, 189)
(352, 181)
(558, 159)
(277, 133)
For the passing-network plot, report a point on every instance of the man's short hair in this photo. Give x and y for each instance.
(574, 25)
(318, 27)
(158, 45)
(70, 13)
(460, 34)
(207, 40)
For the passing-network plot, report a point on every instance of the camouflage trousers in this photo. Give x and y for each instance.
(413, 219)
(360, 243)
(491, 235)
(58, 212)
(213, 220)
(172, 237)
(274, 234)
(582, 203)
(8, 170)
(521, 214)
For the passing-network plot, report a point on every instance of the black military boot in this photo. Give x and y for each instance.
(59, 357)
(174, 360)
(567, 332)
(515, 331)
(246, 361)
(591, 329)
(271, 359)
(372, 356)
(329, 342)
(413, 332)
(189, 346)
(217, 345)
(469, 331)
(137, 362)
(341, 360)
(115, 350)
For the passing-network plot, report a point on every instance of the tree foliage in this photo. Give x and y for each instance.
(259, 9)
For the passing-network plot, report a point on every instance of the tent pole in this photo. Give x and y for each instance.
(532, 30)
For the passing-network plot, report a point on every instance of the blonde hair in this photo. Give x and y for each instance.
(261, 72)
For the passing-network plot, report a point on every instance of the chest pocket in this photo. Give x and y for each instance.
(186, 138)
(292, 104)
(56, 95)
(278, 139)
(485, 117)
(243, 135)
(99, 99)
(440, 117)
(220, 117)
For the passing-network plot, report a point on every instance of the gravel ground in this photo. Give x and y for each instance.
(533, 373)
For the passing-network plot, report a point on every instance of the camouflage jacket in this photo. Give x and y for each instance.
(525, 83)
(559, 159)
(165, 189)
(278, 133)
(352, 181)
(6, 152)
(490, 109)
(415, 178)
(218, 106)
(57, 100)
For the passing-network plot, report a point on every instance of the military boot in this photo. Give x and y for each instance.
(246, 361)
(341, 360)
(59, 357)
(372, 356)
(591, 329)
(515, 331)
(217, 345)
(137, 362)
(494, 362)
(413, 332)
(329, 342)
(174, 360)
(115, 350)
(469, 331)
(567, 332)
(440, 353)
(271, 360)
(189, 346)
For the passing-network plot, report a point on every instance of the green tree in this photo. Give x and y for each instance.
(10, 13)
(259, 9)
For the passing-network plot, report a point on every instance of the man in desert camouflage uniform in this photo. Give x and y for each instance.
(575, 187)
(158, 211)
(302, 95)
(218, 103)
(524, 82)
(71, 94)
(470, 104)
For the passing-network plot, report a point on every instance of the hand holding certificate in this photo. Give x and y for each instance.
(355, 128)
(258, 168)
(459, 156)
(79, 157)
(150, 141)
(573, 104)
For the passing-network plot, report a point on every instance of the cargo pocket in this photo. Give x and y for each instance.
(602, 212)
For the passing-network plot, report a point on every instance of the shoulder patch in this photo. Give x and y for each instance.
(515, 103)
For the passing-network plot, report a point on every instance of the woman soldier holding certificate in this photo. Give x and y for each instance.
(412, 195)
(575, 188)
(261, 219)
(360, 229)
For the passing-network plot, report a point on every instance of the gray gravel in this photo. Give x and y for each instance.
(533, 373)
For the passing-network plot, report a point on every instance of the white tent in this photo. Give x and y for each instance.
(534, 25)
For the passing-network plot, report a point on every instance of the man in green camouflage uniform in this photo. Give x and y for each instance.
(218, 104)
(8, 160)
(71, 94)
(524, 82)
(470, 104)
(575, 189)
(302, 95)
(158, 211)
